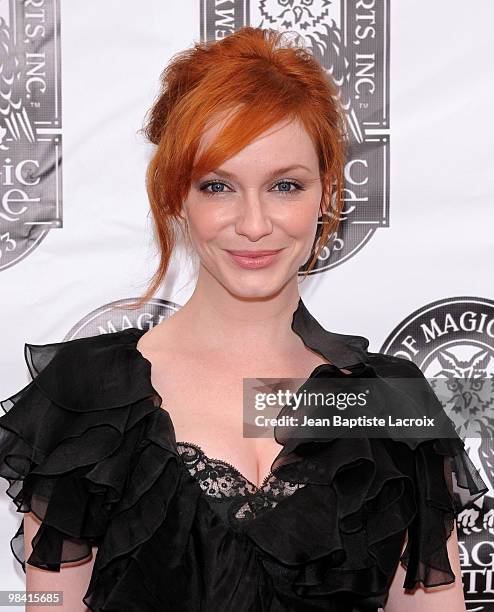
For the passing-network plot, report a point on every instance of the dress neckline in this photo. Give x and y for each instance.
(343, 351)
(138, 333)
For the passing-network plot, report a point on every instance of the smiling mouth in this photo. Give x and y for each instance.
(254, 253)
(253, 260)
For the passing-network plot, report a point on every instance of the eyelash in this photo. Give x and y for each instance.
(296, 184)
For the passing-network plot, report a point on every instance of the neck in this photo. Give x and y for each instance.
(239, 324)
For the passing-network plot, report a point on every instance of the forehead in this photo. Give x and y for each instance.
(287, 128)
(285, 143)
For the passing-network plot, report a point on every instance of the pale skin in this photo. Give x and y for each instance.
(237, 324)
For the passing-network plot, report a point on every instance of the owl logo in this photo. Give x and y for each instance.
(468, 386)
(311, 20)
(14, 119)
(449, 341)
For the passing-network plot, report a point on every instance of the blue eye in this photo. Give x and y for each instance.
(297, 186)
(204, 187)
(217, 187)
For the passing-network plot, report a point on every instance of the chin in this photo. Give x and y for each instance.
(255, 288)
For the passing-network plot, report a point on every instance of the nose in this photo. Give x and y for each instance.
(253, 220)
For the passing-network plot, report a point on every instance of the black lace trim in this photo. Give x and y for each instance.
(224, 483)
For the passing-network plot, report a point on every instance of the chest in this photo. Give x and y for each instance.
(205, 400)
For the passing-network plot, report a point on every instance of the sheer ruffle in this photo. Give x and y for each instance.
(87, 447)
(382, 489)
(89, 455)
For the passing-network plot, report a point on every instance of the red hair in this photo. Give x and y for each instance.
(261, 79)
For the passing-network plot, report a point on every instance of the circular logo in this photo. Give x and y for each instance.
(117, 316)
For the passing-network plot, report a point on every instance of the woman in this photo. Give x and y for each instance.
(113, 443)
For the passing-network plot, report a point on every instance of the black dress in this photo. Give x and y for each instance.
(87, 448)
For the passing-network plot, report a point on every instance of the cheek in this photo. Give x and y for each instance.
(302, 224)
(204, 223)
(207, 221)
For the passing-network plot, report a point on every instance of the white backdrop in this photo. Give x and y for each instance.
(434, 255)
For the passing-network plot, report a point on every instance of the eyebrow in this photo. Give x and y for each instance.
(231, 175)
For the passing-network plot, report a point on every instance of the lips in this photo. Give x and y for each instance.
(254, 260)
(252, 254)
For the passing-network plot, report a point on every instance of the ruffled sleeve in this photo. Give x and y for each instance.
(383, 489)
(445, 482)
(85, 448)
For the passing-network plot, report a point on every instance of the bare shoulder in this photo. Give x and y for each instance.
(168, 333)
